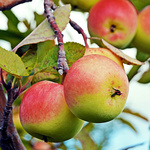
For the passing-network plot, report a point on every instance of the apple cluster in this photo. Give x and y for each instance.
(95, 89)
(117, 21)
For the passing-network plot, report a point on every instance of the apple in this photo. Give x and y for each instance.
(142, 37)
(81, 4)
(45, 115)
(40, 145)
(104, 52)
(96, 88)
(113, 20)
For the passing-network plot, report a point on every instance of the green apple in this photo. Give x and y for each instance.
(104, 52)
(81, 4)
(113, 20)
(96, 88)
(142, 37)
(44, 113)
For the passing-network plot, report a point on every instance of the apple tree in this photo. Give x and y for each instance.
(57, 89)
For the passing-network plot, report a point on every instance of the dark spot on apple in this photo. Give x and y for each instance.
(116, 92)
(112, 28)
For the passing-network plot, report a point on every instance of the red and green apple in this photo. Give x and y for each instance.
(44, 113)
(113, 20)
(96, 88)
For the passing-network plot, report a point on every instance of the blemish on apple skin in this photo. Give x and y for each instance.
(112, 82)
(110, 102)
(118, 87)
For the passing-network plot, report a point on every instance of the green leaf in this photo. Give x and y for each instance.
(12, 63)
(44, 32)
(12, 20)
(145, 78)
(142, 56)
(140, 4)
(74, 51)
(30, 59)
(38, 18)
(46, 75)
(43, 48)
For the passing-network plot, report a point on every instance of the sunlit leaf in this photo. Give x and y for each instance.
(125, 58)
(12, 63)
(44, 31)
(126, 110)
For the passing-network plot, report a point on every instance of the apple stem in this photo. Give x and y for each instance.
(112, 28)
(116, 92)
(80, 31)
(62, 62)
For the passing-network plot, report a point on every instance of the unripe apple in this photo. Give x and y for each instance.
(81, 4)
(96, 88)
(104, 52)
(44, 113)
(142, 37)
(113, 20)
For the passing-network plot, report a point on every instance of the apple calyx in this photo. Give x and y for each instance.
(116, 92)
(112, 28)
(45, 138)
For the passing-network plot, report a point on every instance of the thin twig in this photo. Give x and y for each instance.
(77, 28)
(62, 62)
(80, 31)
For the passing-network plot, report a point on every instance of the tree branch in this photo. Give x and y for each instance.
(8, 4)
(62, 62)
(9, 138)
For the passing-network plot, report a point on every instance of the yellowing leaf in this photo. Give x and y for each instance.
(44, 31)
(125, 58)
(12, 63)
